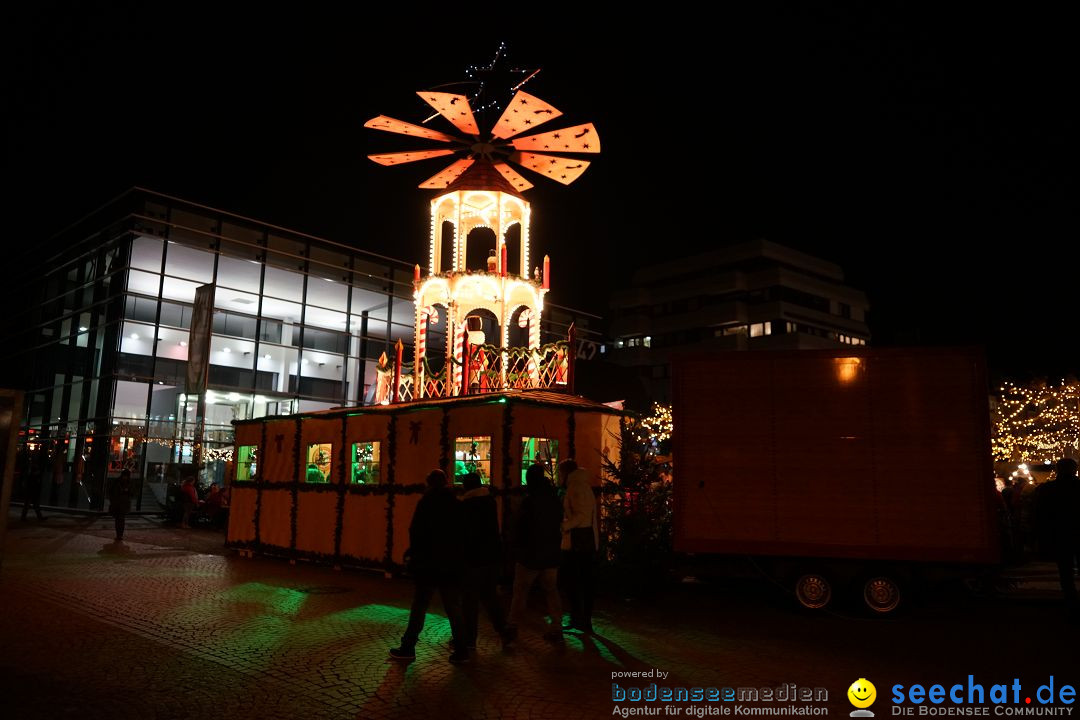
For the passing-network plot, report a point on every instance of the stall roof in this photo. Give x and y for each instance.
(547, 398)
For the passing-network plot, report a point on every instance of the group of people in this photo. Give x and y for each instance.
(213, 508)
(455, 548)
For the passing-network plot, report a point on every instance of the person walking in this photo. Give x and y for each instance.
(120, 502)
(580, 540)
(32, 481)
(537, 539)
(480, 521)
(435, 558)
(1059, 511)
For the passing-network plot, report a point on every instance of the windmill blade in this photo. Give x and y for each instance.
(523, 113)
(564, 170)
(447, 175)
(399, 158)
(401, 127)
(578, 139)
(454, 108)
(513, 177)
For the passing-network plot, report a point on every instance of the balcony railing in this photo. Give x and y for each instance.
(482, 369)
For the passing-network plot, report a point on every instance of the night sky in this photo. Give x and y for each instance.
(925, 153)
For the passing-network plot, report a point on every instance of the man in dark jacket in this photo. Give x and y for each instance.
(482, 554)
(436, 561)
(538, 535)
(1059, 511)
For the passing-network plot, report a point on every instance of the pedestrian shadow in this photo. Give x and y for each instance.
(609, 651)
(116, 548)
(121, 549)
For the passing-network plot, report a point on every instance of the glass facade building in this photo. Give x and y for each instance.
(101, 346)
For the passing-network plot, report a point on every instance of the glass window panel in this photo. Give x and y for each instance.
(365, 464)
(286, 246)
(245, 237)
(232, 352)
(143, 283)
(323, 340)
(174, 315)
(130, 401)
(304, 406)
(270, 331)
(146, 253)
(276, 364)
(239, 274)
(234, 325)
(281, 309)
(368, 300)
(189, 263)
(325, 318)
(356, 383)
(327, 293)
(284, 284)
(140, 309)
(544, 451)
(138, 339)
(472, 454)
(247, 462)
(193, 221)
(319, 463)
(236, 301)
(182, 290)
(327, 262)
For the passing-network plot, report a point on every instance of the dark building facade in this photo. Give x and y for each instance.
(753, 295)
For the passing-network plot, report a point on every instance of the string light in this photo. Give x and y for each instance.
(1035, 421)
(657, 427)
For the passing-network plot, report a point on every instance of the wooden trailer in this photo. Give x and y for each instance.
(340, 486)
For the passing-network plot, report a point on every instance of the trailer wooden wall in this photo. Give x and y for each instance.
(280, 513)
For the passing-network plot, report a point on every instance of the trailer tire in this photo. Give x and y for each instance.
(813, 590)
(881, 594)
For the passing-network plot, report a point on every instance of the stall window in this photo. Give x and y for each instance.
(473, 454)
(539, 450)
(319, 457)
(365, 463)
(246, 457)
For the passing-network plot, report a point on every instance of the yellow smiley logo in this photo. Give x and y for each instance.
(862, 693)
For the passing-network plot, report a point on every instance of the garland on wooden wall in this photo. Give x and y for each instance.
(445, 458)
(391, 448)
(343, 477)
(260, 473)
(571, 428)
(297, 474)
(507, 463)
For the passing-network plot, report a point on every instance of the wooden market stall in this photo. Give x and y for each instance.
(340, 485)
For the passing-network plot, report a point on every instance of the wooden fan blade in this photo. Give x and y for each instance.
(578, 139)
(513, 177)
(564, 170)
(523, 113)
(447, 175)
(399, 158)
(454, 108)
(389, 124)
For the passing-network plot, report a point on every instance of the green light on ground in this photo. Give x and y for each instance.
(282, 601)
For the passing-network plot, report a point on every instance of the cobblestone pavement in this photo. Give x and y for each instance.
(169, 624)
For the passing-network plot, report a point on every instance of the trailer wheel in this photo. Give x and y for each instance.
(813, 590)
(881, 594)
